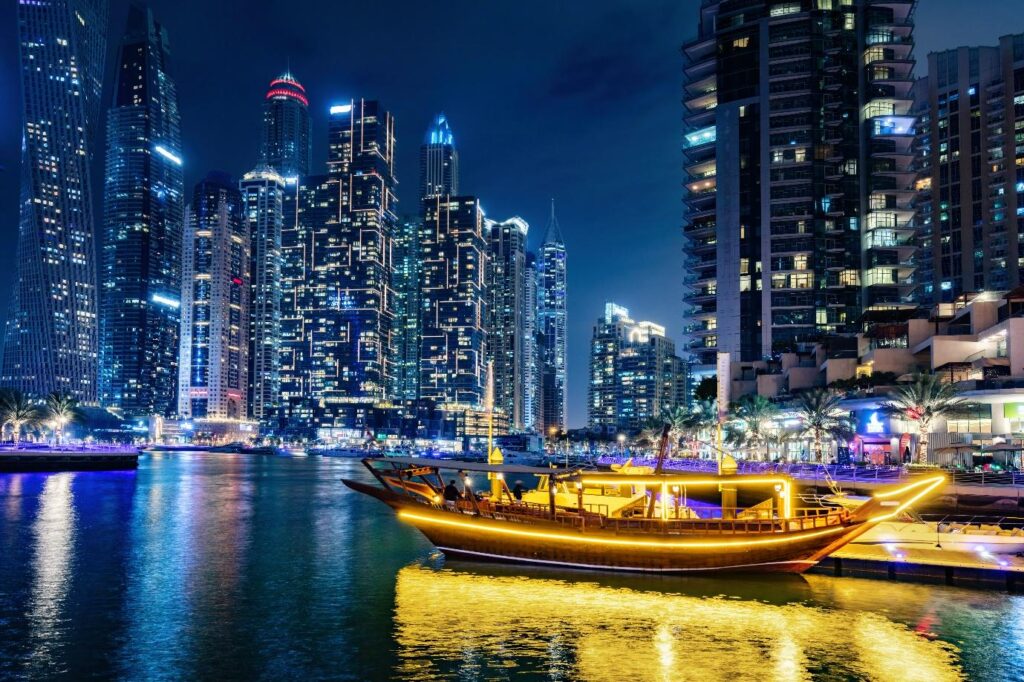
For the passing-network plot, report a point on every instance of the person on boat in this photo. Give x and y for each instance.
(517, 492)
(451, 494)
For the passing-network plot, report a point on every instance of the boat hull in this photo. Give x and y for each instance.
(548, 543)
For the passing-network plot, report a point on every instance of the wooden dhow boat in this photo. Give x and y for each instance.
(640, 520)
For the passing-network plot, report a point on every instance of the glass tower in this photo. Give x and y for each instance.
(552, 324)
(286, 145)
(142, 228)
(215, 303)
(263, 197)
(799, 186)
(51, 340)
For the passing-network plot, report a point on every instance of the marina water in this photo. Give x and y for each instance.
(246, 567)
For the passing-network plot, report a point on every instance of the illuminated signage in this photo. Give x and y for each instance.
(163, 300)
(874, 424)
(341, 109)
(167, 154)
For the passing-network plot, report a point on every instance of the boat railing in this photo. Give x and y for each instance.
(734, 521)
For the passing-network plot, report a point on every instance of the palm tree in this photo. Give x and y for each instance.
(697, 423)
(61, 409)
(923, 400)
(18, 411)
(822, 415)
(752, 421)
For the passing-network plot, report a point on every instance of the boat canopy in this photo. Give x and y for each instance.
(458, 465)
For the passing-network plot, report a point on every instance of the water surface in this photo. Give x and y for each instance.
(258, 567)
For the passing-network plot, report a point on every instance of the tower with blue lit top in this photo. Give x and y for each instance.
(439, 161)
(552, 318)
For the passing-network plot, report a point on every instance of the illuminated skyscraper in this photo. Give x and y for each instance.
(453, 253)
(286, 145)
(439, 161)
(531, 348)
(552, 324)
(798, 150)
(142, 225)
(970, 220)
(215, 303)
(635, 374)
(406, 285)
(263, 193)
(51, 337)
(506, 313)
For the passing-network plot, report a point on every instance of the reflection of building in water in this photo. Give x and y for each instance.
(594, 632)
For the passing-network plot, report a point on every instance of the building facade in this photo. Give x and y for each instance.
(406, 286)
(970, 220)
(286, 145)
(798, 155)
(453, 254)
(214, 365)
(143, 214)
(51, 338)
(552, 318)
(263, 196)
(506, 315)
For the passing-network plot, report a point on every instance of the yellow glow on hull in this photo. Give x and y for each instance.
(585, 539)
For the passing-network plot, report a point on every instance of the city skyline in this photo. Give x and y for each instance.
(646, 274)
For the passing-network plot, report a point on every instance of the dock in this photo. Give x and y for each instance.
(35, 461)
(980, 570)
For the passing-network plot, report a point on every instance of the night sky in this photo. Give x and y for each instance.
(579, 101)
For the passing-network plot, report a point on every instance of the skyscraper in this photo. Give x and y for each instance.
(215, 303)
(635, 374)
(51, 340)
(143, 211)
(970, 204)
(338, 305)
(798, 150)
(552, 323)
(531, 348)
(405, 281)
(506, 313)
(263, 193)
(439, 161)
(453, 252)
(286, 145)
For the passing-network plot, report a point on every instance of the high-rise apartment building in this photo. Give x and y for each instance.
(531, 348)
(798, 154)
(453, 254)
(50, 342)
(286, 146)
(405, 282)
(263, 196)
(439, 161)
(215, 291)
(635, 375)
(970, 128)
(506, 315)
(552, 317)
(143, 213)
(338, 304)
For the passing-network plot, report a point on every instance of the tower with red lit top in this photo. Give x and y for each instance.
(285, 145)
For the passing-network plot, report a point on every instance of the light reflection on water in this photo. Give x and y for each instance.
(234, 567)
(610, 632)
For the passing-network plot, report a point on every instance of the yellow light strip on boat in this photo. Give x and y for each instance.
(591, 540)
(927, 485)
